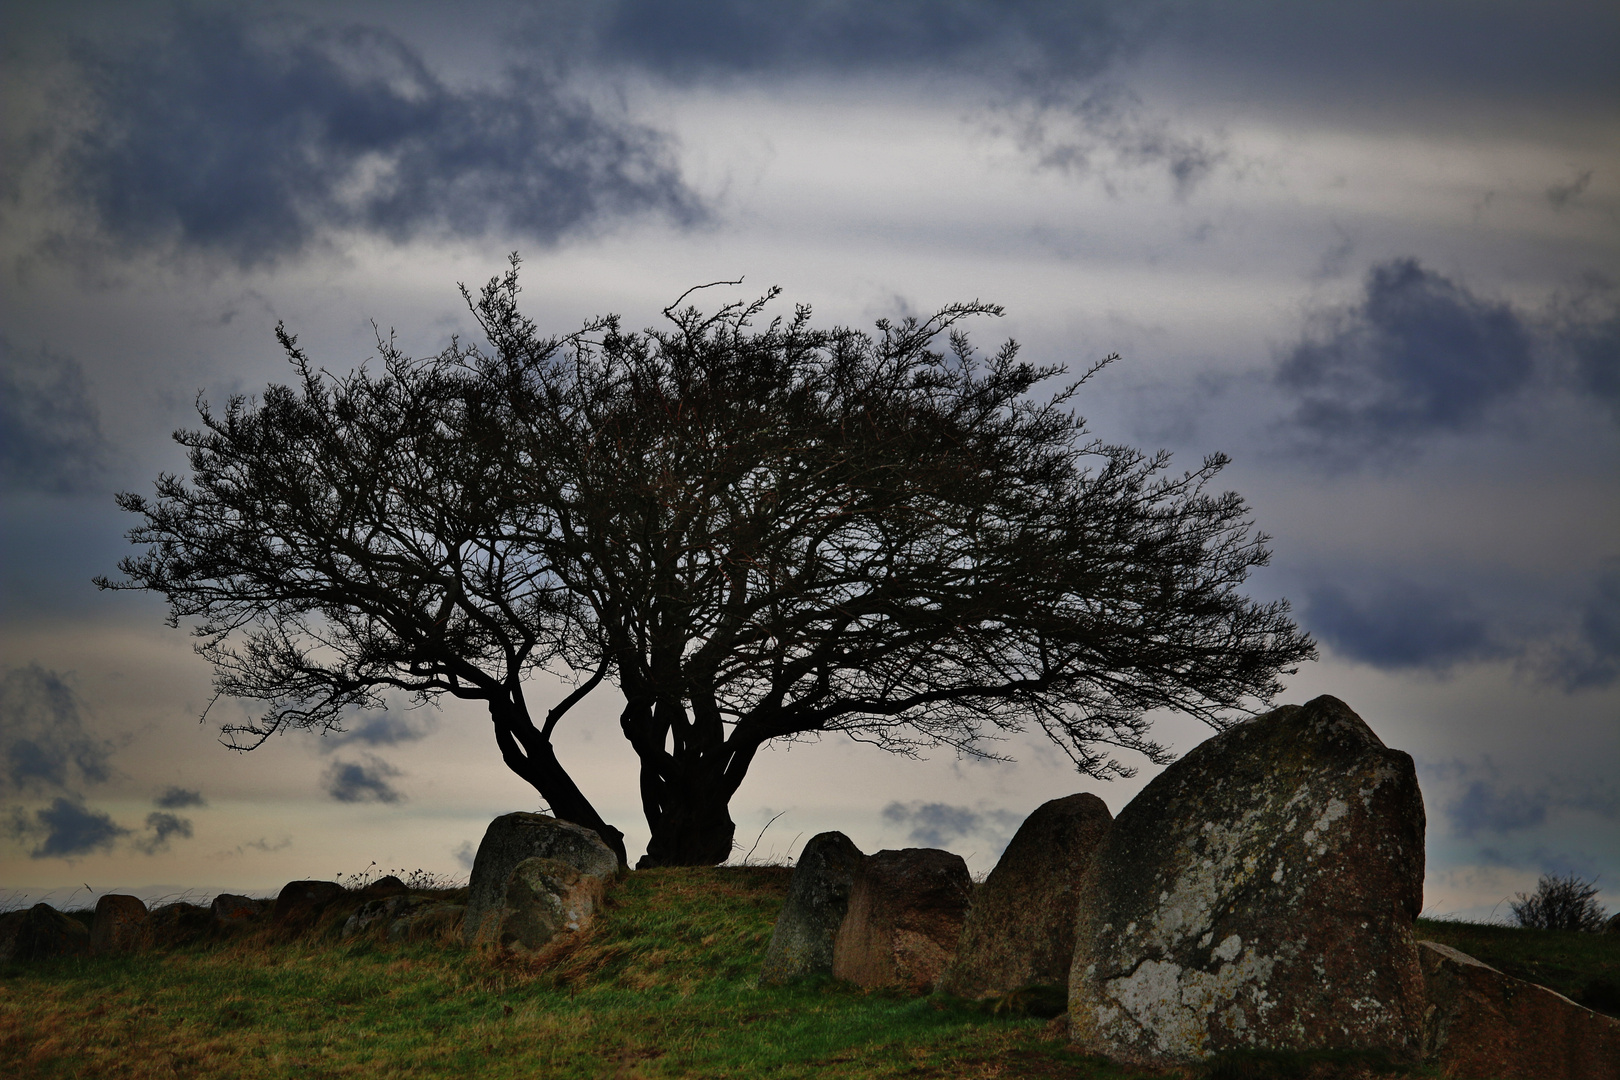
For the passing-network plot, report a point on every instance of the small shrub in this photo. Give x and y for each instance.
(1560, 903)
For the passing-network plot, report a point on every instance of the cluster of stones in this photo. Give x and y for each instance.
(123, 924)
(1260, 894)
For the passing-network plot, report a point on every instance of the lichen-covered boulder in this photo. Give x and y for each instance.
(817, 900)
(544, 898)
(906, 910)
(300, 903)
(122, 924)
(1483, 1024)
(1260, 893)
(512, 838)
(382, 910)
(41, 933)
(1020, 930)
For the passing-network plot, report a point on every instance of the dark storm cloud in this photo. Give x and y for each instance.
(163, 827)
(50, 432)
(384, 730)
(44, 746)
(65, 829)
(1585, 323)
(178, 798)
(361, 781)
(233, 137)
(1486, 805)
(1032, 41)
(938, 825)
(1561, 195)
(1590, 657)
(1401, 624)
(1419, 354)
(1398, 624)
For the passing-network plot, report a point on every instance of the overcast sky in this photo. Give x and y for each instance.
(1370, 250)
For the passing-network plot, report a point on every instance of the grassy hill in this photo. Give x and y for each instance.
(661, 986)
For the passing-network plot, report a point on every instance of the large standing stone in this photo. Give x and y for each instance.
(509, 840)
(1020, 929)
(817, 900)
(41, 933)
(300, 903)
(1259, 893)
(906, 910)
(1483, 1024)
(122, 924)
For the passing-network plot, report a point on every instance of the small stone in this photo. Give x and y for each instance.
(1482, 1024)
(384, 887)
(906, 910)
(817, 900)
(512, 838)
(231, 911)
(300, 903)
(122, 924)
(178, 924)
(41, 933)
(544, 898)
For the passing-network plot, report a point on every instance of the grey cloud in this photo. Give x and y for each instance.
(67, 828)
(361, 781)
(1590, 657)
(50, 431)
(1586, 325)
(224, 136)
(382, 730)
(163, 827)
(1485, 806)
(464, 854)
(1561, 195)
(178, 798)
(938, 825)
(43, 743)
(1566, 635)
(1029, 41)
(1419, 354)
(1401, 624)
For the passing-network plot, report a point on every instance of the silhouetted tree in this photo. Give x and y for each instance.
(756, 534)
(1560, 903)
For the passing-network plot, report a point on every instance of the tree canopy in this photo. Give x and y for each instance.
(755, 533)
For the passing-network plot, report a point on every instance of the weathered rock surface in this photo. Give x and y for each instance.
(40, 933)
(1259, 893)
(1484, 1025)
(906, 910)
(300, 903)
(382, 910)
(544, 898)
(817, 900)
(122, 924)
(1020, 929)
(231, 911)
(512, 838)
(181, 923)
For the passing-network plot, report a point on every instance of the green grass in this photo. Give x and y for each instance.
(663, 985)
